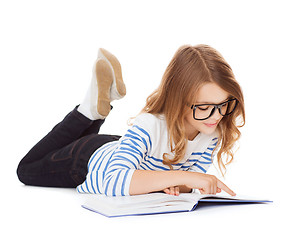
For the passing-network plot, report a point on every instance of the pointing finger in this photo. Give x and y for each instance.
(222, 186)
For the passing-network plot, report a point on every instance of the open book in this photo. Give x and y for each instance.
(154, 203)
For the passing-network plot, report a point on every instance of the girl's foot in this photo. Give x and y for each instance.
(104, 79)
(118, 89)
(106, 85)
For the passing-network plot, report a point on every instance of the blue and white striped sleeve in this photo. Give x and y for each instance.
(125, 160)
(204, 162)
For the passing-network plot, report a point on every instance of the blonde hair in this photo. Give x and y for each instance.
(189, 69)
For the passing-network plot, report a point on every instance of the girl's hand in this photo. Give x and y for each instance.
(207, 184)
(202, 191)
(172, 191)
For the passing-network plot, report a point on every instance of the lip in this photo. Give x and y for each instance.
(211, 125)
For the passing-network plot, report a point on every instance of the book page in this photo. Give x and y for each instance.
(139, 204)
(156, 203)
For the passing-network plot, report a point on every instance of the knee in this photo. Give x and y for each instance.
(21, 173)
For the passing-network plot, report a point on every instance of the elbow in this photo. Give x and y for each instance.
(117, 183)
(107, 187)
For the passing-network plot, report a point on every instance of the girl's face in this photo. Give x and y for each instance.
(209, 93)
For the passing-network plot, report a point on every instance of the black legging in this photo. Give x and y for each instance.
(60, 159)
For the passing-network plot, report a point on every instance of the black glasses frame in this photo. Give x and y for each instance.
(216, 106)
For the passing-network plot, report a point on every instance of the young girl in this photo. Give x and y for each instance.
(170, 145)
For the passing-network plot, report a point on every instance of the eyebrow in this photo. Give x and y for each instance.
(213, 103)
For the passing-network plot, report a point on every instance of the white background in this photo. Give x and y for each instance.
(46, 54)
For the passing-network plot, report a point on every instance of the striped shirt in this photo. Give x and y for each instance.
(111, 166)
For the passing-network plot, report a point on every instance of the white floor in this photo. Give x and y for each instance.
(48, 213)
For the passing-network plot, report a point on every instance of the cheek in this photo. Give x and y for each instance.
(189, 117)
(213, 119)
(200, 125)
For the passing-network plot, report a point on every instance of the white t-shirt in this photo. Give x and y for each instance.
(111, 166)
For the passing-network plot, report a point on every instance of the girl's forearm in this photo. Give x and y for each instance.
(146, 181)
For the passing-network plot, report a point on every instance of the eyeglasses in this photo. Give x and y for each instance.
(205, 111)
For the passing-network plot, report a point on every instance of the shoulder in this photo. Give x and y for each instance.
(153, 126)
(149, 117)
(148, 120)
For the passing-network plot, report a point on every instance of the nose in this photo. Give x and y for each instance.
(216, 115)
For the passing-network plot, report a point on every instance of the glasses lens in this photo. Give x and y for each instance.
(228, 107)
(203, 112)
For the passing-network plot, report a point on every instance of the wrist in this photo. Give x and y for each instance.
(184, 177)
(180, 178)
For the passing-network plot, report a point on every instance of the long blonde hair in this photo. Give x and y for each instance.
(189, 69)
